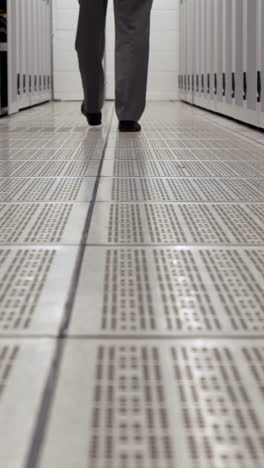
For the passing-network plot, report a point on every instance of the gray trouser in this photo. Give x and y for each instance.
(132, 21)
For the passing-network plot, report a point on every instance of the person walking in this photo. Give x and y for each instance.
(132, 24)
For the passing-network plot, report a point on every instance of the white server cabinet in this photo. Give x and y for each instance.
(184, 47)
(29, 53)
(203, 50)
(238, 63)
(185, 44)
(236, 106)
(189, 50)
(199, 86)
(225, 104)
(196, 48)
(223, 71)
(196, 53)
(260, 93)
(46, 48)
(211, 53)
(34, 53)
(20, 49)
(251, 61)
(186, 51)
(206, 40)
(220, 77)
(181, 52)
(215, 51)
(198, 94)
(12, 39)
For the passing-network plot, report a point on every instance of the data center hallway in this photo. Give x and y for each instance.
(132, 291)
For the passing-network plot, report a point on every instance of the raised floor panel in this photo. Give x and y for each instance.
(170, 291)
(132, 403)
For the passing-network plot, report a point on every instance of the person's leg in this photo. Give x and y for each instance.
(132, 18)
(90, 43)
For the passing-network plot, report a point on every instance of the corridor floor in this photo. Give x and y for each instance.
(131, 291)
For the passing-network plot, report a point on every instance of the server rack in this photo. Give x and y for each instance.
(211, 53)
(226, 38)
(29, 53)
(183, 81)
(260, 93)
(196, 54)
(189, 46)
(199, 88)
(3, 57)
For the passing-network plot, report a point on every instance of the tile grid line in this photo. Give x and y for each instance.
(83, 243)
(110, 336)
(39, 432)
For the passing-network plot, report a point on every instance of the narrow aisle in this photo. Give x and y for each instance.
(162, 361)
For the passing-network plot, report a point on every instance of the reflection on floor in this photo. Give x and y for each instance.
(132, 292)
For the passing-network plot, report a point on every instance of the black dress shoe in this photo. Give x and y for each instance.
(92, 119)
(129, 126)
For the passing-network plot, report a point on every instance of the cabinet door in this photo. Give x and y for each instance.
(34, 51)
(49, 51)
(220, 54)
(13, 64)
(211, 54)
(181, 52)
(20, 51)
(27, 51)
(261, 60)
(239, 45)
(184, 48)
(196, 58)
(203, 51)
(198, 98)
(226, 107)
(190, 45)
(238, 76)
(251, 60)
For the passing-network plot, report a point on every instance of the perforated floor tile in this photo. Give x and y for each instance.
(128, 189)
(24, 366)
(34, 287)
(126, 141)
(42, 223)
(42, 143)
(46, 189)
(164, 223)
(151, 404)
(246, 155)
(133, 153)
(182, 154)
(178, 169)
(49, 168)
(55, 154)
(170, 291)
(258, 165)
